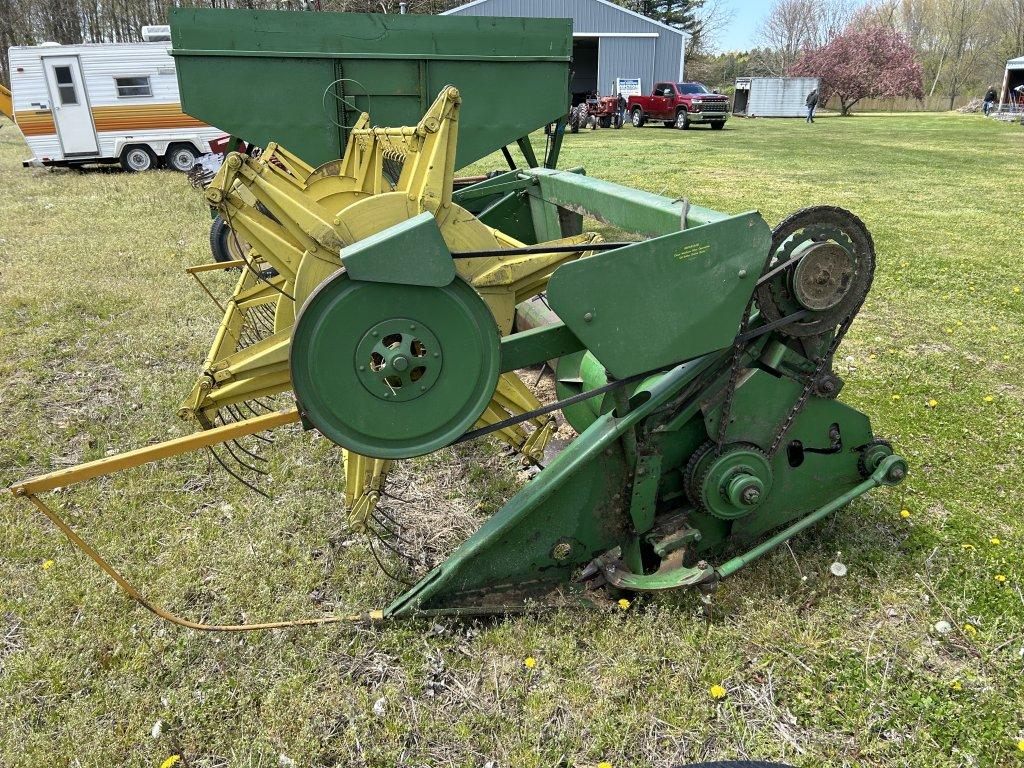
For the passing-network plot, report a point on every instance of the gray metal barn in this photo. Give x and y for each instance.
(609, 41)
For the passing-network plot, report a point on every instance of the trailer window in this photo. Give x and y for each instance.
(133, 87)
(65, 85)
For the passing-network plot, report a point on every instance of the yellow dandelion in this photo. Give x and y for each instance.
(624, 604)
(872, 357)
(967, 546)
(604, 764)
(172, 760)
(949, 330)
(1016, 289)
(530, 662)
(993, 327)
(989, 398)
(970, 629)
(956, 685)
(904, 513)
(995, 541)
(47, 565)
(932, 403)
(959, 322)
(1000, 578)
(896, 398)
(1006, 357)
(1020, 745)
(717, 692)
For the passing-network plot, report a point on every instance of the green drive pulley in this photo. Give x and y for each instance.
(390, 370)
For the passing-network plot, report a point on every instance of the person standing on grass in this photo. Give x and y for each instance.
(989, 100)
(811, 102)
(621, 104)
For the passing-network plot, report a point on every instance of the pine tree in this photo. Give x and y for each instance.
(681, 14)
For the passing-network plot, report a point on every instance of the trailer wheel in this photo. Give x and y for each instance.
(682, 120)
(181, 157)
(574, 120)
(137, 158)
(638, 118)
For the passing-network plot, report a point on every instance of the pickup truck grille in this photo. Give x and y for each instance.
(715, 106)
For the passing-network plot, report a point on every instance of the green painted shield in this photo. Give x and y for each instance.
(391, 370)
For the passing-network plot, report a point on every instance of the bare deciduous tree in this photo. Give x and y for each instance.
(792, 26)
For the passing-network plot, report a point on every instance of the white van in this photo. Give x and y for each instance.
(102, 103)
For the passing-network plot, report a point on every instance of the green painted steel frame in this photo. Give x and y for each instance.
(300, 78)
(508, 545)
(629, 209)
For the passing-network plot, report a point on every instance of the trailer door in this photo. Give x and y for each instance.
(70, 103)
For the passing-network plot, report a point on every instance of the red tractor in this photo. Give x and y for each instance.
(596, 111)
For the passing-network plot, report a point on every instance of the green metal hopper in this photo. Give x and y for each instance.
(302, 78)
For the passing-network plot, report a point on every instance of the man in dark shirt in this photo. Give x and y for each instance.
(811, 102)
(989, 100)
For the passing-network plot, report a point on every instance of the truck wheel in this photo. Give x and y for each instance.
(638, 118)
(718, 126)
(682, 120)
(137, 158)
(181, 157)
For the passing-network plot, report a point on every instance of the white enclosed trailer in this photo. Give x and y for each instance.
(101, 103)
(1010, 99)
(772, 96)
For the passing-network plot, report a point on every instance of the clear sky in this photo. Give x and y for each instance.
(741, 31)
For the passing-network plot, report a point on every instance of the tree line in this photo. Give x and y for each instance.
(30, 22)
(962, 45)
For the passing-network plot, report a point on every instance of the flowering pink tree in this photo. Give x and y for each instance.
(863, 63)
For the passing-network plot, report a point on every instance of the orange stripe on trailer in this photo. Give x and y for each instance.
(35, 122)
(140, 117)
(6, 103)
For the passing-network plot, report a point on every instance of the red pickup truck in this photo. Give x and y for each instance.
(679, 105)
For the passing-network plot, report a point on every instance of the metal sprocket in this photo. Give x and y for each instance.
(818, 224)
(757, 462)
(690, 471)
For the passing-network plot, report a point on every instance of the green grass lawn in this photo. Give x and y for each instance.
(103, 335)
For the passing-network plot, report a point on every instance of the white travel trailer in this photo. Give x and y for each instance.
(105, 102)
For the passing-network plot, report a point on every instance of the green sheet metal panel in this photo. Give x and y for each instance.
(659, 301)
(262, 75)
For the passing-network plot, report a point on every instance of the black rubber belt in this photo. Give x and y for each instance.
(610, 386)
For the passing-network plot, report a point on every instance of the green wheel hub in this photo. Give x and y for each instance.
(735, 483)
(399, 360)
(391, 370)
